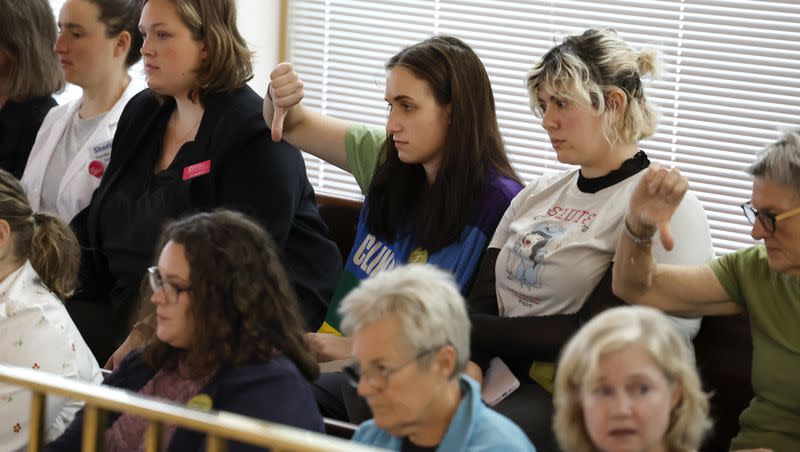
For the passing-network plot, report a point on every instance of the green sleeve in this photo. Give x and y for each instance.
(363, 151)
(728, 270)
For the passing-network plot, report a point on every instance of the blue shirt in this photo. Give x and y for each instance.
(474, 428)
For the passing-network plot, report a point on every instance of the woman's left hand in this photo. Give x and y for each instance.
(328, 347)
(654, 201)
(134, 340)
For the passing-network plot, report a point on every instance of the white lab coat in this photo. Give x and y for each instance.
(83, 174)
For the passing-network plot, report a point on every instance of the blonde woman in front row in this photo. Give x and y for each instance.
(627, 382)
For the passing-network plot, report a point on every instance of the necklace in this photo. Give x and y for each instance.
(185, 137)
(172, 147)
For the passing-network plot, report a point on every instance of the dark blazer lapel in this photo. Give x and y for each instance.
(206, 148)
(124, 147)
(201, 149)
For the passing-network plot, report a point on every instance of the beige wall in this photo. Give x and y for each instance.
(259, 23)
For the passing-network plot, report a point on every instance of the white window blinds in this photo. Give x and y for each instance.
(730, 79)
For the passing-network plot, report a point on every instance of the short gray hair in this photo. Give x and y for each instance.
(779, 162)
(427, 302)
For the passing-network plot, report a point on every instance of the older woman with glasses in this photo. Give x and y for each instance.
(410, 335)
(762, 281)
(224, 331)
(767, 219)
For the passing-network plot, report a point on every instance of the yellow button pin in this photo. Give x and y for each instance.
(201, 402)
(418, 256)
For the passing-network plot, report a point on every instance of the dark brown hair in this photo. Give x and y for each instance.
(28, 36)
(243, 306)
(473, 148)
(228, 64)
(43, 239)
(119, 16)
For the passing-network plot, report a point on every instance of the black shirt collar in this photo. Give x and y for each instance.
(628, 168)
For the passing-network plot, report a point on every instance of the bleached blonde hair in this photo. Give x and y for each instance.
(613, 330)
(584, 68)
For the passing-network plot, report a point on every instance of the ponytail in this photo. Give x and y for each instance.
(55, 254)
(43, 239)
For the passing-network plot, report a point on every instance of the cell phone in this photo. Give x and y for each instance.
(498, 382)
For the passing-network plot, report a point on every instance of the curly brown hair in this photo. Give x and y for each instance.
(243, 305)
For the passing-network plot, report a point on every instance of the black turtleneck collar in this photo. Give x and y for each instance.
(628, 168)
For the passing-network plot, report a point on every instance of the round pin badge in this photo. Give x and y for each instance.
(418, 256)
(96, 168)
(201, 402)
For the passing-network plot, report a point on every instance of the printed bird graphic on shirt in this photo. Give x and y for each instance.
(524, 260)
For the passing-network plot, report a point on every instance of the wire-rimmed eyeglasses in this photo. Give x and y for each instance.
(378, 376)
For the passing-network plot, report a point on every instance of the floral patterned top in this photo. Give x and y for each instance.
(37, 332)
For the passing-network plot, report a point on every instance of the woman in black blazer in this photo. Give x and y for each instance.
(193, 142)
(29, 75)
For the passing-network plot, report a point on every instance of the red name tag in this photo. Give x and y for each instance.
(198, 169)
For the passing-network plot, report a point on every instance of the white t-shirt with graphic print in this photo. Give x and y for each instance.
(557, 242)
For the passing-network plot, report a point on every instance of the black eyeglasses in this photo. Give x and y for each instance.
(378, 376)
(171, 291)
(768, 220)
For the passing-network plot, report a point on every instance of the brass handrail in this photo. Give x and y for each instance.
(220, 426)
